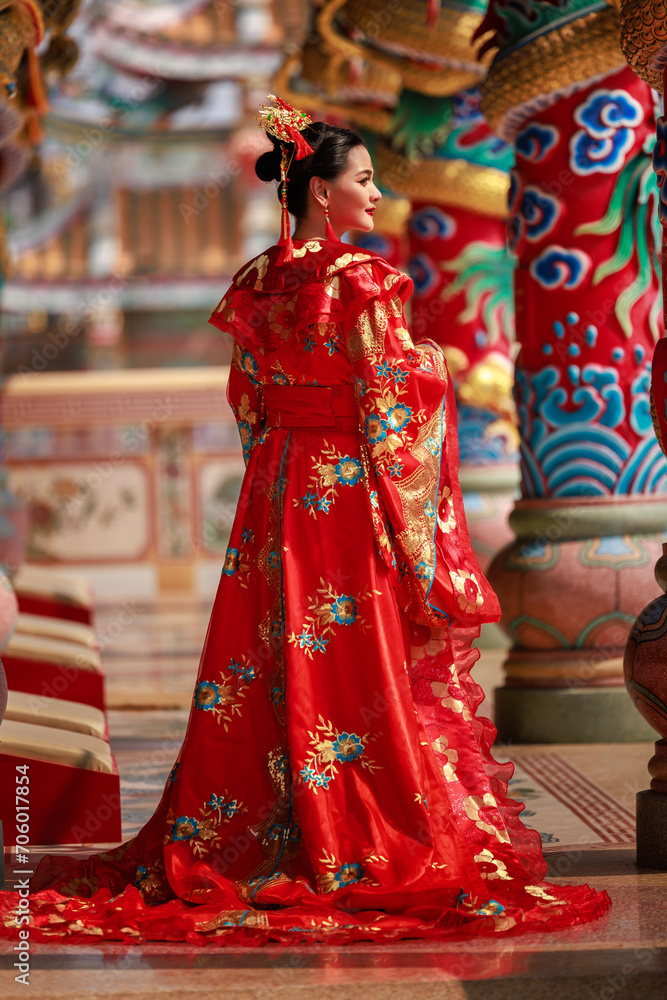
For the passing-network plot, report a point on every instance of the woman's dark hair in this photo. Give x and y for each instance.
(331, 144)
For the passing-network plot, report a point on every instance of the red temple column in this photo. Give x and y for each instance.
(593, 479)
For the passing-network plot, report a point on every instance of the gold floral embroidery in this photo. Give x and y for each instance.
(330, 749)
(223, 700)
(80, 886)
(329, 609)
(227, 312)
(201, 834)
(262, 264)
(245, 412)
(446, 515)
(539, 892)
(237, 563)
(467, 590)
(492, 868)
(472, 806)
(331, 286)
(332, 470)
(455, 704)
(282, 316)
(347, 258)
(151, 881)
(227, 919)
(312, 246)
(441, 746)
(367, 336)
(340, 875)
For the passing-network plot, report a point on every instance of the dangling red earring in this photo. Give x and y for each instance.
(329, 233)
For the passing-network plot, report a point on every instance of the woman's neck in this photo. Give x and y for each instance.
(309, 229)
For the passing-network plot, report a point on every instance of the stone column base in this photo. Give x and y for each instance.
(652, 830)
(568, 715)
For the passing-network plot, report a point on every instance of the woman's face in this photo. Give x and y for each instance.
(352, 196)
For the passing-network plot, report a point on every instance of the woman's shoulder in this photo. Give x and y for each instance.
(307, 262)
(368, 275)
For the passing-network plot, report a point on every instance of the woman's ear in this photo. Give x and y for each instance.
(318, 190)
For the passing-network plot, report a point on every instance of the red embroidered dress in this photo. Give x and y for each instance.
(335, 783)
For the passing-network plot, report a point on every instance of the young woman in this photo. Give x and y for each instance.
(335, 783)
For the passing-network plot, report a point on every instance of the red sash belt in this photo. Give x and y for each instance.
(311, 407)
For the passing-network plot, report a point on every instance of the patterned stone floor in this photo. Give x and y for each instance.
(580, 799)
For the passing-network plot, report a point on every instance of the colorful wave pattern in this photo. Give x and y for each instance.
(582, 437)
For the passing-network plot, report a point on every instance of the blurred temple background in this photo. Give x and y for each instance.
(136, 202)
(514, 142)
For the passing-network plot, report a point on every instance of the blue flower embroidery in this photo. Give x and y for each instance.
(309, 500)
(322, 781)
(347, 874)
(273, 560)
(207, 695)
(396, 469)
(319, 644)
(429, 509)
(249, 366)
(216, 801)
(231, 562)
(344, 609)
(399, 416)
(375, 428)
(332, 345)
(235, 667)
(185, 828)
(374, 499)
(278, 695)
(230, 808)
(305, 639)
(387, 370)
(247, 535)
(142, 872)
(308, 774)
(348, 471)
(348, 746)
(422, 571)
(280, 379)
(308, 344)
(323, 504)
(492, 909)
(247, 438)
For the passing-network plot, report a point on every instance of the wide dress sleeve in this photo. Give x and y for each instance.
(408, 416)
(244, 395)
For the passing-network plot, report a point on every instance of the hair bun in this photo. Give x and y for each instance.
(267, 166)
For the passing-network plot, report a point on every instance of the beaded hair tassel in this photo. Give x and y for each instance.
(286, 123)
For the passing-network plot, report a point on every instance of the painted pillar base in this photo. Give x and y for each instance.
(562, 715)
(570, 587)
(652, 830)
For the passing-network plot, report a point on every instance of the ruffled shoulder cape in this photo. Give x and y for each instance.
(326, 282)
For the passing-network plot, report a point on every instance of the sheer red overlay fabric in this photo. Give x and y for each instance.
(335, 782)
